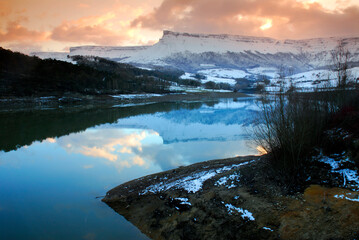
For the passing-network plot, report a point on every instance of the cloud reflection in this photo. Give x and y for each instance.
(50, 140)
(121, 146)
(168, 140)
(130, 147)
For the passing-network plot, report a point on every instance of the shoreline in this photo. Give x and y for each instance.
(80, 99)
(235, 198)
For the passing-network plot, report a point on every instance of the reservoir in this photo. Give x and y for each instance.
(57, 162)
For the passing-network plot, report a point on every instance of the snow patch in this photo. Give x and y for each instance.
(184, 201)
(189, 76)
(224, 73)
(268, 229)
(228, 179)
(192, 183)
(350, 198)
(136, 96)
(244, 213)
(132, 104)
(348, 174)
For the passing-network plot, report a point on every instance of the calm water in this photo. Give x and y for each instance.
(55, 162)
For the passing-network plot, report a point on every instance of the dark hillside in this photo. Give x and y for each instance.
(21, 75)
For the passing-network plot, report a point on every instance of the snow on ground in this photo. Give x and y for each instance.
(136, 96)
(132, 104)
(184, 201)
(354, 72)
(267, 228)
(244, 213)
(305, 81)
(350, 198)
(314, 75)
(224, 73)
(195, 89)
(231, 179)
(311, 80)
(61, 56)
(218, 75)
(188, 76)
(192, 183)
(209, 78)
(349, 176)
(270, 72)
(145, 68)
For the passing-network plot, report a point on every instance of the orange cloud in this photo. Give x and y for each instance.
(109, 28)
(16, 32)
(4, 9)
(275, 18)
(24, 47)
(83, 5)
(57, 24)
(95, 34)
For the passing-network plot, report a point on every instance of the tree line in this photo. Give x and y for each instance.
(22, 75)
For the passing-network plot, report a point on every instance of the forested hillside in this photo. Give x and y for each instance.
(22, 75)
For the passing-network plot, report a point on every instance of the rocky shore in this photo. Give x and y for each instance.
(239, 198)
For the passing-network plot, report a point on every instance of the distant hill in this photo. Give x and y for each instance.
(22, 75)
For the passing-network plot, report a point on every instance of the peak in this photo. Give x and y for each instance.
(171, 33)
(167, 33)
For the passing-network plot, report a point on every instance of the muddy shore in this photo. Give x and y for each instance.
(237, 198)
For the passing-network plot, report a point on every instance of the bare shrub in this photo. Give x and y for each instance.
(288, 129)
(341, 58)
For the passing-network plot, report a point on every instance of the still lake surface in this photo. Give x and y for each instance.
(55, 162)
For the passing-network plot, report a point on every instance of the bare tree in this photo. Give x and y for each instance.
(281, 78)
(341, 57)
(285, 78)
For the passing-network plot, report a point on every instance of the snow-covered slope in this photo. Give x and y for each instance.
(226, 57)
(116, 53)
(312, 80)
(62, 56)
(193, 52)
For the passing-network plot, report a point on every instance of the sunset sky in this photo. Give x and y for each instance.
(55, 25)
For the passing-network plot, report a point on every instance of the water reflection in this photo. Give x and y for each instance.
(122, 146)
(57, 161)
(22, 127)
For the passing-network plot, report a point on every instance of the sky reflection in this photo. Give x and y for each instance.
(49, 187)
(122, 147)
(167, 140)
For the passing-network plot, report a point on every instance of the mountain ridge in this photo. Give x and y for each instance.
(194, 52)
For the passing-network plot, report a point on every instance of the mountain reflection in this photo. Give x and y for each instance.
(22, 127)
(156, 136)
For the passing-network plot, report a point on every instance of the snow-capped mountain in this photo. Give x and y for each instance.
(217, 55)
(192, 52)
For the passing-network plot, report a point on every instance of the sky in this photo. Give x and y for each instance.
(56, 25)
